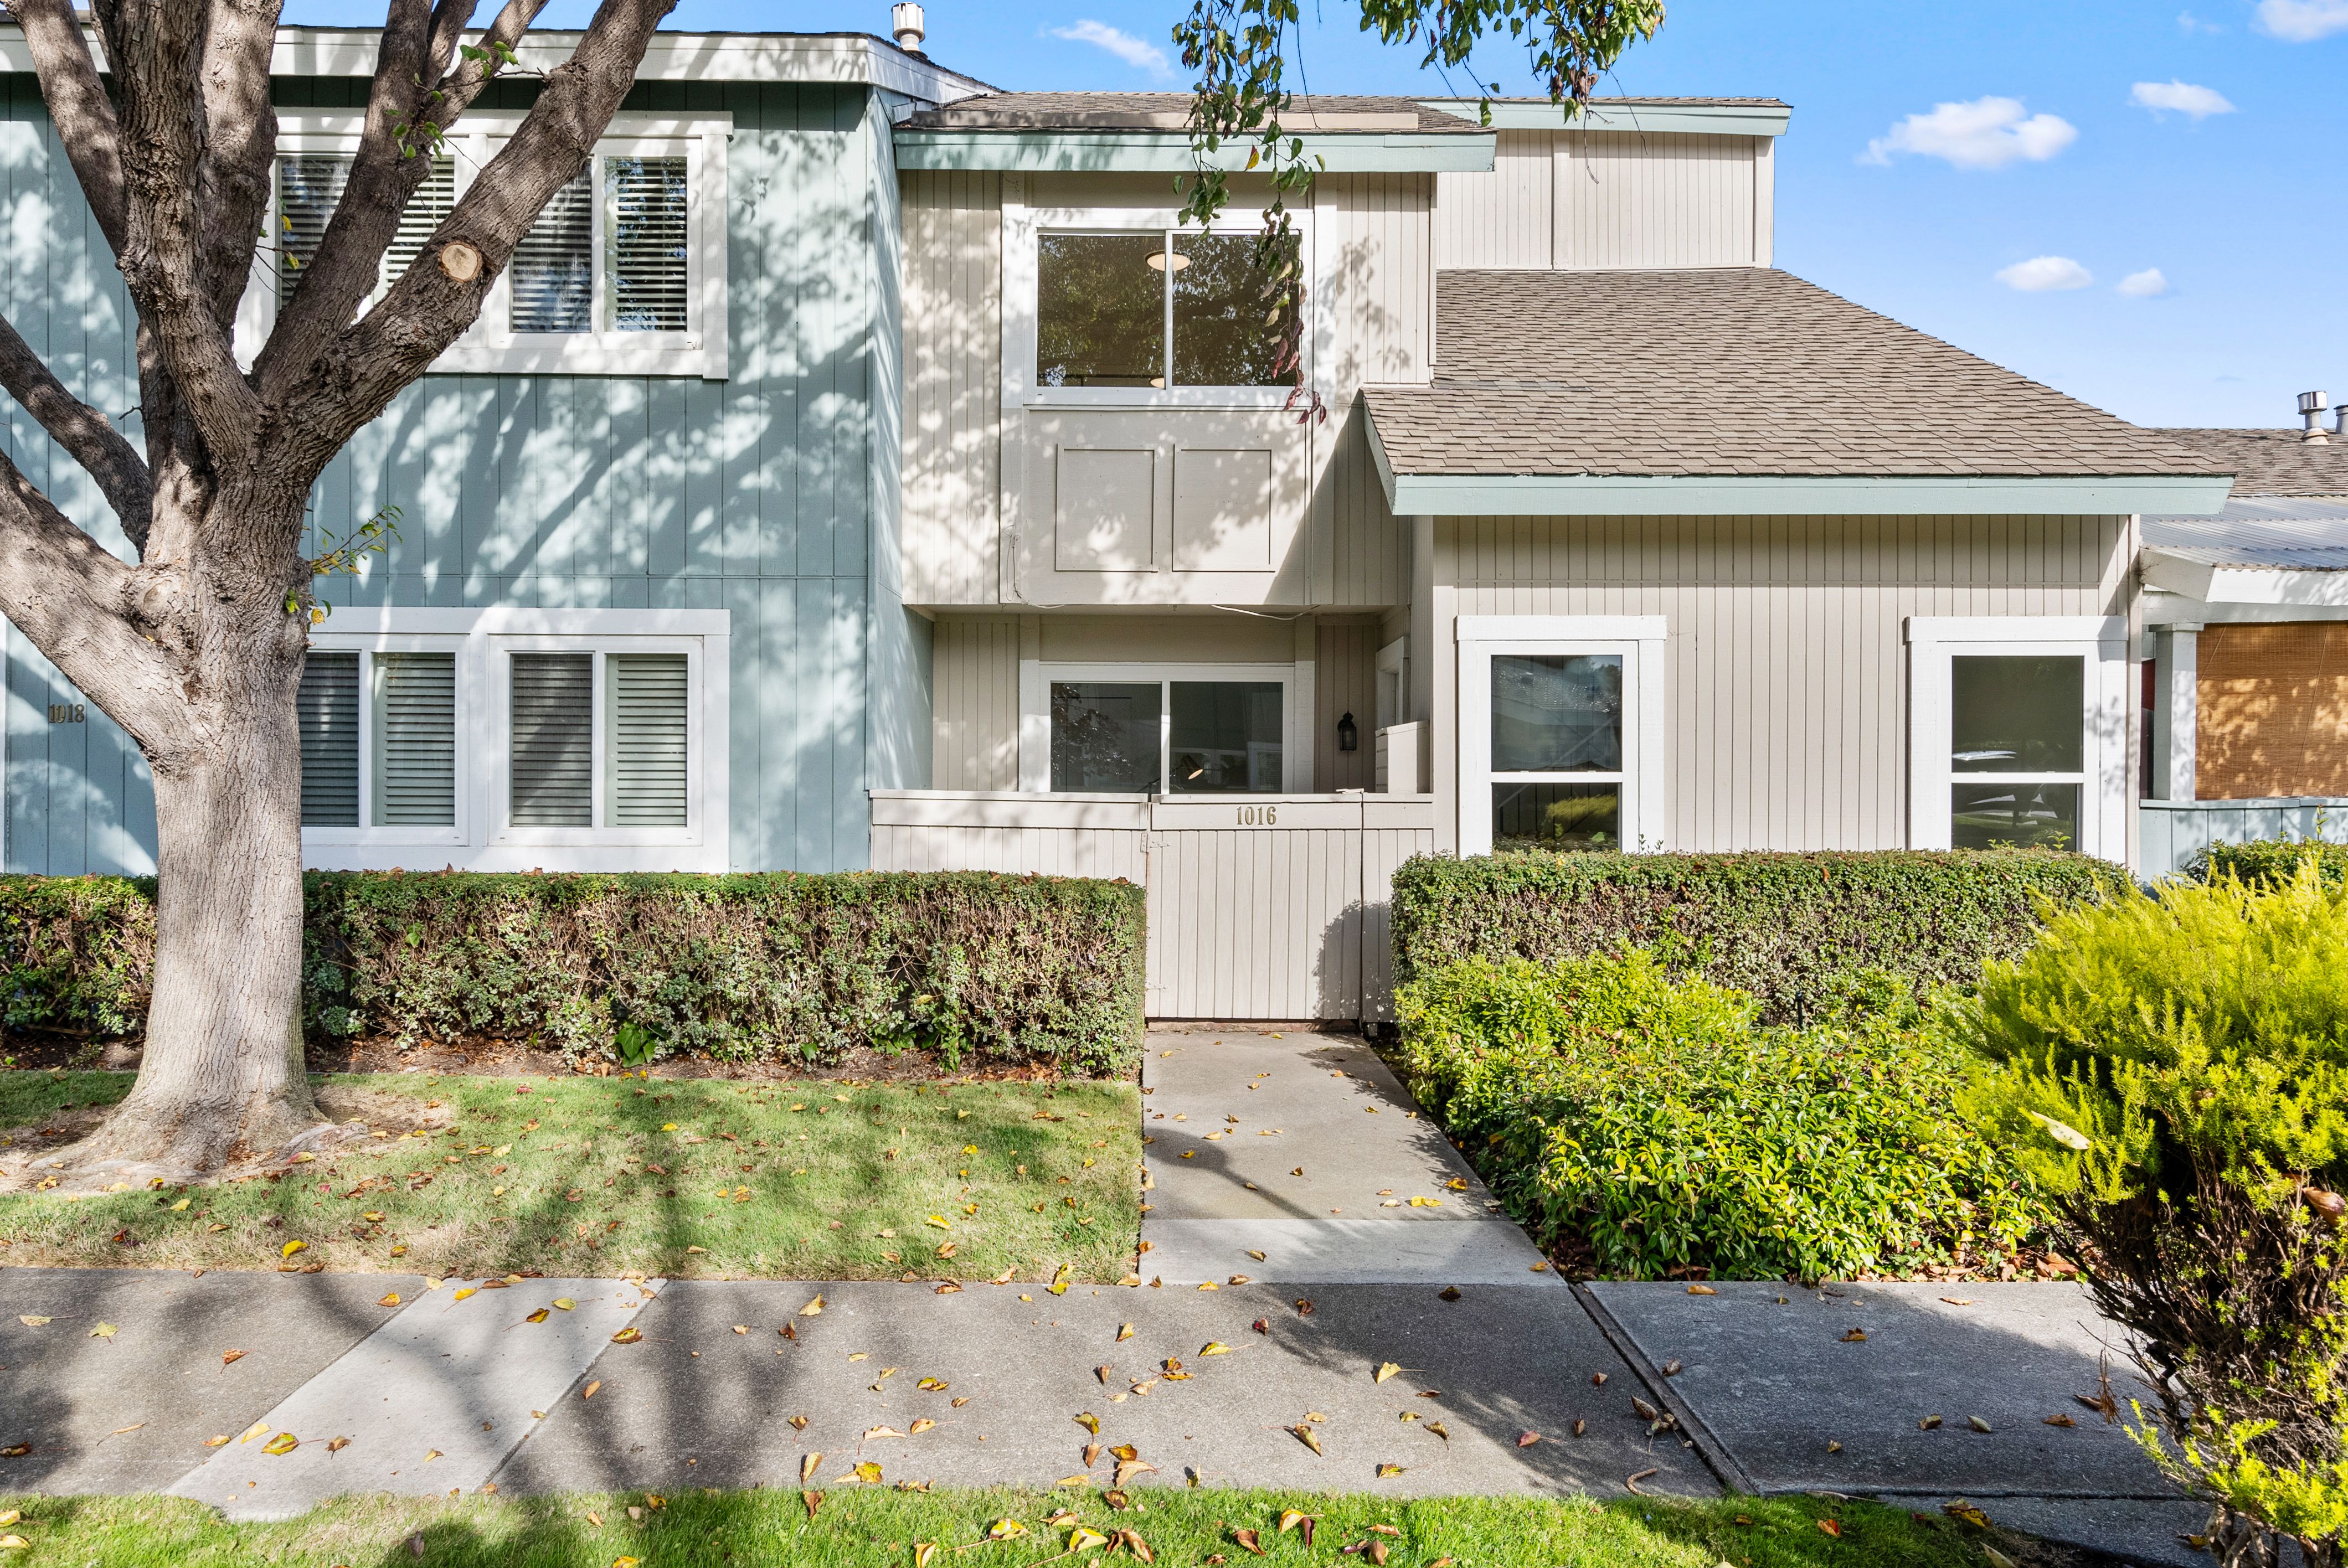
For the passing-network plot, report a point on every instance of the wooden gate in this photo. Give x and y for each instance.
(1261, 907)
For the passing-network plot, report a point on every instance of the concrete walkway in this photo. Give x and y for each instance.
(437, 1395)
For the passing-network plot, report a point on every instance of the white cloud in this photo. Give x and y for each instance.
(1138, 52)
(1987, 133)
(2303, 21)
(2188, 22)
(2183, 97)
(2044, 274)
(2144, 285)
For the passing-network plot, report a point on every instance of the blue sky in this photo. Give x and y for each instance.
(2241, 210)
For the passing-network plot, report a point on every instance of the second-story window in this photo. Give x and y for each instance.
(1159, 309)
(624, 272)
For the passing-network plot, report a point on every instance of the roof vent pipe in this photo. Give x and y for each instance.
(905, 22)
(2310, 415)
(2340, 419)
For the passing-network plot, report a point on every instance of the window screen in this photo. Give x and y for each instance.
(327, 709)
(416, 739)
(554, 775)
(553, 272)
(647, 246)
(2021, 720)
(647, 743)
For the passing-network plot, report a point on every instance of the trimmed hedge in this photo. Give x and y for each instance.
(776, 965)
(2270, 861)
(1655, 1119)
(1782, 927)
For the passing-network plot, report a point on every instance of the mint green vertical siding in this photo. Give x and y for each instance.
(761, 495)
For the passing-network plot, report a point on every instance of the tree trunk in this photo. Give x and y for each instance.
(222, 1078)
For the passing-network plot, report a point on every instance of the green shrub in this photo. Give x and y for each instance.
(2173, 1069)
(1783, 926)
(1655, 1117)
(969, 965)
(2267, 861)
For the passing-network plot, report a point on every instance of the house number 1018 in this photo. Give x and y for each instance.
(1259, 816)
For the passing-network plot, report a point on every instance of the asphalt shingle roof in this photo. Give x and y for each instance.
(1729, 371)
(1322, 113)
(2274, 462)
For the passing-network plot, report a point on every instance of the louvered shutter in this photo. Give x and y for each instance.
(416, 739)
(647, 739)
(309, 187)
(426, 210)
(647, 241)
(553, 739)
(553, 272)
(327, 707)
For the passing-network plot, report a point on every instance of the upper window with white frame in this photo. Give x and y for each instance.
(583, 740)
(1161, 308)
(623, 272)
(1560, 732)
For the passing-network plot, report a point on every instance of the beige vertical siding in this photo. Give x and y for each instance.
(975, 734)
(1344, 680)
(1608, 199)
(953, 386)
(1503, 219)
(1785, 670)
(1375, 245)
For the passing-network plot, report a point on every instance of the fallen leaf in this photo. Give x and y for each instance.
(1527, 1439)
(961, 1402)
(104, 1331)
(2059, 1421)
(1303, 1307)
(1597, 1379)
(468, 1290)
(628, 1336)
(1132, 1542)
(431, 1454)
(1647, 1412)
(1631, 1482)
(1089, 1421)
(807, 1463)
(1671, 1369)
(537, 1317)
(1830, 1527)
(1247, 1538)
(1958, 1300)
(1081, 1539)
(219, 1442)
(871, 1432)
(923, 1551)
(1580, 1427)
(1004, 1529)
(1130, 1468)
(1833, 1447)
(336, 1445)
(1997, 1559)
(798, 1423)
(1385, 1369)
(1215, 1348)
(389, 1299)
(251, 1432)
(812, 1500)
(1307, 1436)
(1977, 1424)
(1387, 1471)
(1073, 1481)
(931, 1386)
(563, 1304)
(1854, 1336)
(119, 1430)
(282, 1443)
(291, 1247)
(1436, 1427)
(30, 1321)
(867, 1473)
(231, 1358)
(1701, 1290)
(1448, 1293)
(813, 1309)
(1929, 1423)
(589, 1391)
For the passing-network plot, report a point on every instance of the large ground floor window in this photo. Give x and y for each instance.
(1561, 732)
(2019, 733)
(1205, 729)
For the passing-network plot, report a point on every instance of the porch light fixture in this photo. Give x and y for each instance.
(1348, 738)
(1158, 262)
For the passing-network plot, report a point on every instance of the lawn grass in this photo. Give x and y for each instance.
(687, 1178)
(870, 1528)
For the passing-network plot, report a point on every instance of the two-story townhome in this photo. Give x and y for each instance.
(1613, 535)
(643, 607)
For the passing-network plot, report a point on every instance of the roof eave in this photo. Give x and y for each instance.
(1854, 495)
(1681, 119)
(1161, 152)
(2210, 583)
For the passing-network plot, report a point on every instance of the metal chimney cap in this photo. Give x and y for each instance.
(2309, 402)
(905, 23)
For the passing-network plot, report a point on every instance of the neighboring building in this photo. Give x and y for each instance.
(2246, 649)
(644, 610)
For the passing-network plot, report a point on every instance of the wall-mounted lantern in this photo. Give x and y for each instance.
(1348, 738)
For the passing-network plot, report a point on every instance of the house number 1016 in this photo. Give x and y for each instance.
(1259, 816)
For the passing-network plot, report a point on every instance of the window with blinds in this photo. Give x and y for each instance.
(427, 209)
(553, 756)
(309, 187)
(648, 705)
(647, 244)
(416, 739)
(327, 709)
(553, 272)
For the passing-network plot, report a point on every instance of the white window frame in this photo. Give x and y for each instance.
(1037, 676)
(369, 832)
(482, 839)
(488, 347)
(2100, 641)
(1022, 230)
(1638, 640)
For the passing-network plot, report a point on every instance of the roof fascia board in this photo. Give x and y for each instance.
(846, 59)
(1586, 495)
(1169, 152)
(2244, 585)
(1682, 119)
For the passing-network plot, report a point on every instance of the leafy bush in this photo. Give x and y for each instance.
(1655, 1117)
(1785, 927)
(2173, 1069)
(966, 964)
(2267, 861)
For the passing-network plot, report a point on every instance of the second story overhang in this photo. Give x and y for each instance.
(1147, 133)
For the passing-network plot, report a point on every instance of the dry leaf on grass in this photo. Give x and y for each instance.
(1830, 1527)
(1247, 1538)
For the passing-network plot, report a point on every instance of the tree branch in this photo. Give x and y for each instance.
(79, 106)
(86, 434)
(240, 148)
(158, 49)
(75, 601)
(405, 117)
(351, 381)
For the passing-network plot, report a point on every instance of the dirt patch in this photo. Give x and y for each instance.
(357, 1114)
